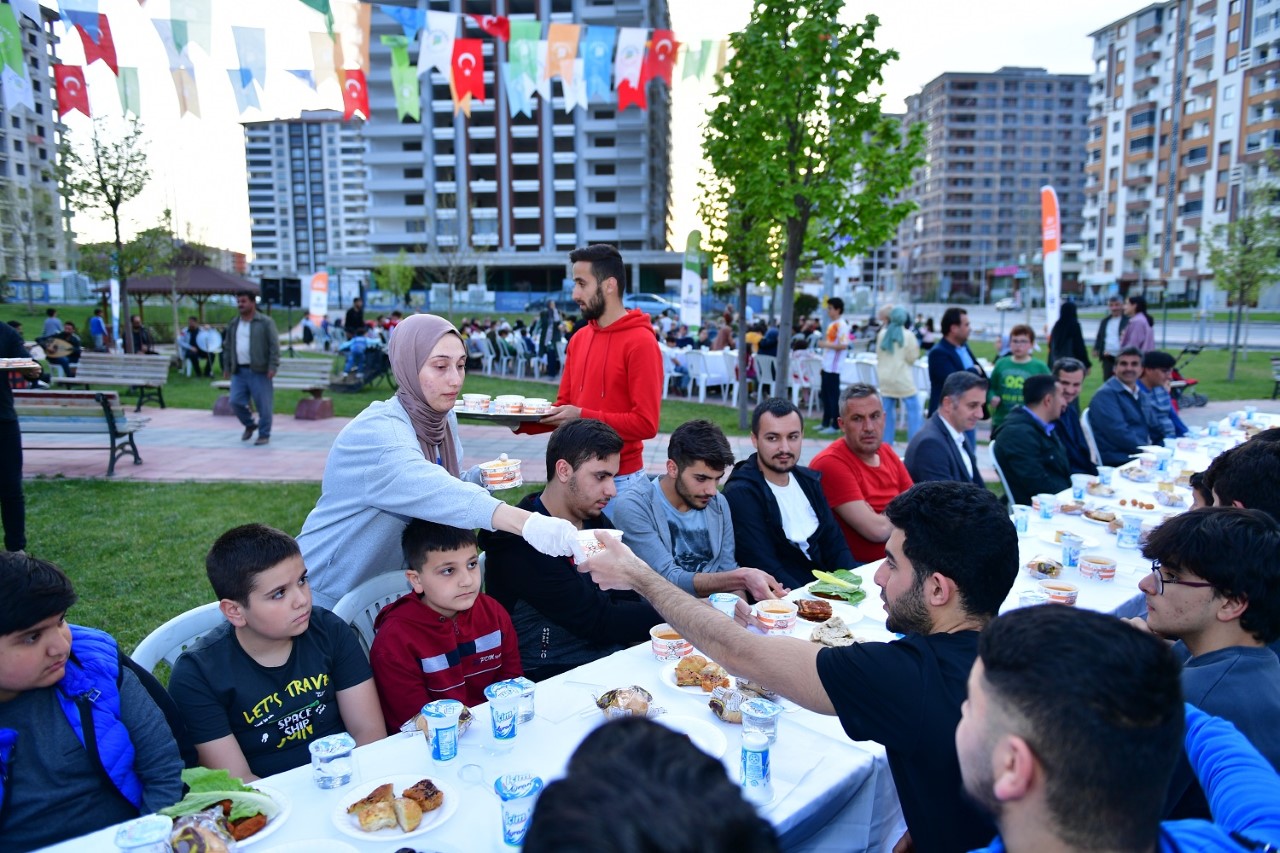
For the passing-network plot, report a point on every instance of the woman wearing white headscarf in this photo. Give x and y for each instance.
(896, 354)
(398, 460)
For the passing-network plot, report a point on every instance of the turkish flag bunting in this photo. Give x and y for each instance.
(629, 95)
(72, 93)
(498, 26)
(661, 58)
(104, 49)
(468, 69)
(355, 94)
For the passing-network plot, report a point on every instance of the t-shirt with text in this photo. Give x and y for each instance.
(273, 711)
(1007, 379)
(846, 478)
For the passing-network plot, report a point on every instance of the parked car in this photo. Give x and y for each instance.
(649, 303)
(1007, 304)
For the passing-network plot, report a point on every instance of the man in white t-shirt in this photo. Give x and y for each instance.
(782, 523)
(833, 346)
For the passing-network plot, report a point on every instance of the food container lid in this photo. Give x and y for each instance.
(502, 689)
(514, 786)
(333, 744)
(760, 708)
(442, 709)
(152, 829)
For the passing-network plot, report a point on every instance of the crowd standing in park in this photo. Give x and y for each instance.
(993, 744)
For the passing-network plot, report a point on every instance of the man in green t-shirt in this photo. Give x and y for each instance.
(1011, 372)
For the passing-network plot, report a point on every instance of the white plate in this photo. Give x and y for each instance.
(1088, 543)
(668, 678)
(347, 825)
(1116, 510)
(1150, 448)
(705, 735)
(286, 807)
(315, 845)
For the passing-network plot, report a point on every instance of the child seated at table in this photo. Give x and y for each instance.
(82, 745)
(279, 673)
(446, 639)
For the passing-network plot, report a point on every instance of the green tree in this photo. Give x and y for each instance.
(1245, 254)
(101, 178)
(27, 216)
(396, 275)
(796, 138)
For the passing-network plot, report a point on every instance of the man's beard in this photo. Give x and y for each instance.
(690, 500)
(908, 614)
(768, 463)
(594, 307)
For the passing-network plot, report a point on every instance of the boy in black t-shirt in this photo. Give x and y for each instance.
(257, 690)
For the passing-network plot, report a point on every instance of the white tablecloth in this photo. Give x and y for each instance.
(830, 793)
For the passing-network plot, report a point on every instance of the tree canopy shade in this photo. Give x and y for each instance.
(1244, 254)
(804, 163)
(102, 178)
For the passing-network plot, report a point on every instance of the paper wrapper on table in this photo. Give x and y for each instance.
(633, 701)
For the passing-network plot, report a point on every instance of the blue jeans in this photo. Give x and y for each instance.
(246, 385)
(914, 418)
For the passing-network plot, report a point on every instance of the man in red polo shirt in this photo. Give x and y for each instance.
(861, 474)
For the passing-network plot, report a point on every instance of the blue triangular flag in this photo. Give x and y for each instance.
(597, 60)
(305, 75)
(410, 20)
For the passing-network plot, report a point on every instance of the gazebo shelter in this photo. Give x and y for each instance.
(196, 282)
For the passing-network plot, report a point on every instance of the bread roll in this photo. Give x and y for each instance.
(408, 813)
(377, 816)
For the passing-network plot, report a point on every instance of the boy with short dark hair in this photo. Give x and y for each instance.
(446, 639)
(75, 726)
(279, 673)
(1010, 372)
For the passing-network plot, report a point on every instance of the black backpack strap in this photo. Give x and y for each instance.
(178, 727)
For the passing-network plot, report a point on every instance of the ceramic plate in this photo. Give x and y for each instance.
(347, 825)
(1088, 543)
(668, 678)
(704, 734)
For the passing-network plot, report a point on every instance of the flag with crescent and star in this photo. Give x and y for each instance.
(662, 56)
(498, 26)
(468, 73)
(436, 49)
(629, 60)
(562, 49)
(597, 59)
(72, 94)
(103, 47)
(355, 94)
(629, 95)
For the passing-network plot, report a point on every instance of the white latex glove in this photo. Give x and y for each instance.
(552, 536)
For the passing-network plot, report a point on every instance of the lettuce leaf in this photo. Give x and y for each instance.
(202, 780)
(207, 788)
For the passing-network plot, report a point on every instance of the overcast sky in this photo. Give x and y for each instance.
(199, 163)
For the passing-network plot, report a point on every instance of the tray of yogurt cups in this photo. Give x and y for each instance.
(504, 407)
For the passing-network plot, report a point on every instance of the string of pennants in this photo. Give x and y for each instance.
(592, 62)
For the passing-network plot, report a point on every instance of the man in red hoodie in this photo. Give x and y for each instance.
(613, 369)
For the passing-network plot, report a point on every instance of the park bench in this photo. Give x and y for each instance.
(311, 375)
(43, 412)
(146, 374)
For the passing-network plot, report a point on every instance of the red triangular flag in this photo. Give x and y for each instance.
(355, 94)
(72, 94)
(104, 49)
(468, 69)
(629, 95)
(661, 58)
(498, 26)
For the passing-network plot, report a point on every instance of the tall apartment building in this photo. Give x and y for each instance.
(506, 198)
(992, 141)
(1184, 111)
(307, 201)
(33, 215)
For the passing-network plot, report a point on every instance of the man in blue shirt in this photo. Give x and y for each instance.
(1119, 414)
(1157, 368)
(1073, 749)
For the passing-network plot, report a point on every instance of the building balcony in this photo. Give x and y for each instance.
(1144, 59)
(1137, 204)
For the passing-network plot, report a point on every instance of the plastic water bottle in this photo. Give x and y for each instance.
(757, 782)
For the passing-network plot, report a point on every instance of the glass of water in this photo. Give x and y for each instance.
(332, 761)
(761, 715)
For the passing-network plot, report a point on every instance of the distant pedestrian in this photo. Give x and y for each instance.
(98, 331)
(1107, 344)
(253, 358)
(1140, 331)
(354, 323)
(52, 325)
(1066, 340)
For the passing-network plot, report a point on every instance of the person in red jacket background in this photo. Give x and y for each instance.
(613, 368)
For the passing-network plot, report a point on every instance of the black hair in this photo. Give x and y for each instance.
(962, 532)
(1248, 473)
(50, 312)
(1235, 550)
(951, 317)
(34, 590)
(779, 407)
(699, 441)
(837, 303)
(422, 537)
(634, 786)
(1197, 483)
(1066, 364)
(961, 382)
(1140, 304)
(606, 262)
(1129, 351)
(1037, 387)
(241, 554)
(580, 441)
(1107, 736)
(1158, 360)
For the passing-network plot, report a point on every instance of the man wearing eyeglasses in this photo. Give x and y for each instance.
(1215, 587)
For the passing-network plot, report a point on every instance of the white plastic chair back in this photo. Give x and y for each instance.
(1004, 482)
(361, 606)
(172, 638)
(766, 374)
(1089, 439)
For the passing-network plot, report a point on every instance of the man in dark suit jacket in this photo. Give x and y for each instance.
(950, 354)
(1114, 323)
(1070, 375)
(939, 451)
(1027, 445)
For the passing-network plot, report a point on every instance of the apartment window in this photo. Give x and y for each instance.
(605, 142)
(1224, 149)
(411, 145)
(413, 172)
(604, 169)
(1233, 35)
(1120, 55)
(606, 223)
(1232, 63)
(1233, 8)
(606, 196)
(1227, 122)
(1228, 92)
(413, 199)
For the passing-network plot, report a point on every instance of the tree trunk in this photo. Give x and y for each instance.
(127, 332)
(790, 265)
(744, 403)
(1235, 346)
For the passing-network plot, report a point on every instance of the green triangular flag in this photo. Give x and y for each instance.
(11, 40)
(323, 7)
(130, 94)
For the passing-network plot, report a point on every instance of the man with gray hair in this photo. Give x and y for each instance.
(939, 451)
(861, 473)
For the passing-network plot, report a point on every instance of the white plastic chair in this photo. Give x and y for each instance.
(1089, 439)
(171, 639)
(766, 374)
(708, 370)
(488, 355)
(1004, 481)
(730, 361)
(868, 372)
(669, 374)
(361, 606)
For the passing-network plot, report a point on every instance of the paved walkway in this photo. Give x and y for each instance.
(181, 445)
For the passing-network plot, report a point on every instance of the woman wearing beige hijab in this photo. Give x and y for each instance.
(398, 460)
